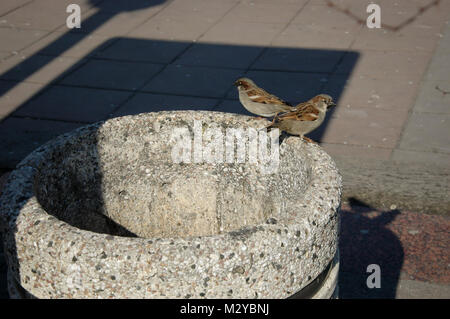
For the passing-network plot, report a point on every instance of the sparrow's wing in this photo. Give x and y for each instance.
(261, 96)
(303, 112)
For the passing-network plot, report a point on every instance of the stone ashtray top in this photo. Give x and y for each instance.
(105, 212)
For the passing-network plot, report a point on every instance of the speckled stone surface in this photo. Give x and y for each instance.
(104, 212)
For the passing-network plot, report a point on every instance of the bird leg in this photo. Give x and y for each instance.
(274, 118)
(307, 139)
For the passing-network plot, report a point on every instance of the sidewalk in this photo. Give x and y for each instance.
(390, 134)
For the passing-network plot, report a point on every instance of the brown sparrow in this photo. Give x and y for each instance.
(305, 117)
(258, 101)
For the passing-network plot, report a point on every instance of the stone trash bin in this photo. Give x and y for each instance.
(135, 207)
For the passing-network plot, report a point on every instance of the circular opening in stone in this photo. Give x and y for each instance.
(119, 178)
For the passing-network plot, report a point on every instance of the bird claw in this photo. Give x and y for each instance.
(307, 139)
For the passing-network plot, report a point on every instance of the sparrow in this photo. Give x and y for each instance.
(258, 101)
(305, 117)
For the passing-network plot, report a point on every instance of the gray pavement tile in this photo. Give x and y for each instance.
(10, 5)
(4, 55)
(112, 74)
(38, 68)
(197, 81)
(303, 60)
(290, 86)
(73, 104)
(17, 39)
(439, 66)
(427, 132)
(379, 63)
(67, 44)
(146, 102)
(108, 24)
(144, 50)
(20, 136)
(403, 156)
(14, 94)
(434, 97)
(42, 14)
(219, 55)
(364, 91)
(263, 12)
(242, 33)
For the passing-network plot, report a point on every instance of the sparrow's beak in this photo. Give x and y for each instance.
(236, 83)
(329, 106)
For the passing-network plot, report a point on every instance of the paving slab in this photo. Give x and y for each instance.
(10, 5)
(378, 39)
(41, 15)
(359, 151)
(396, 92)
(364, 126)
(40, 69)
(387, 63)
(196, 81)
(108, 24)
(434, 97)
(143, 50)
(290, 59)
(182, 20)
(128, 6)
(320, 16)
(73, 104)
(427, 132)
(112, 74)
(20, 136)
(315, 37)
(217, 55)
(77, 45)
(263, 12)
(423, 157)
(4, 55)
(145, 102)
(18, 39)
(243, 33)
(13, 98)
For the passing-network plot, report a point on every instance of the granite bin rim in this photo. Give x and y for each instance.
(130, 262)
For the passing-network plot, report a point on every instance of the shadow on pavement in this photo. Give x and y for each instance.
(365, 240)
(128, 76)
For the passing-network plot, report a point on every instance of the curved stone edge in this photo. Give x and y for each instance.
(244, 241)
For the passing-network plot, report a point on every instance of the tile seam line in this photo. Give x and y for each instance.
(17, 8)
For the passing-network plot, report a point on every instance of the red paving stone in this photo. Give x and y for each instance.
(413, 244)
